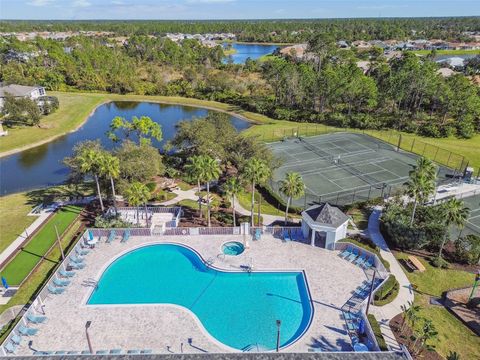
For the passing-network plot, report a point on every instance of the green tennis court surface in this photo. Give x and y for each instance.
(473, 224)
(342, 168)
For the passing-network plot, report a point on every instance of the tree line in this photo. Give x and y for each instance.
(292, 30)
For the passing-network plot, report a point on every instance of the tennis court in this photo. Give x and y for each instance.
(342, 168)
(473, 224)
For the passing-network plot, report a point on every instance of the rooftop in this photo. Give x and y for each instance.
(326, 214)
(16, 90)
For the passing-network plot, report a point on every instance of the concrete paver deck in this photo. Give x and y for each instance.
(163, 328)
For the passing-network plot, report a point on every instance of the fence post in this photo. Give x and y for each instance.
(337, 198)
(424, 147)
(354, 192)
(449, 156)
(413, 143)
(399, 142)
(369, 191)
(435, 157)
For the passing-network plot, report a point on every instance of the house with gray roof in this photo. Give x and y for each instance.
(32, 92)
(324, 225)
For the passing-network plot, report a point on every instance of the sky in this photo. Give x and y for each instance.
(231, 9)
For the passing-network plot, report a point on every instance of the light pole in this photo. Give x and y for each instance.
(279, 323)
(90, 348)
(370, 293)
(58, 242)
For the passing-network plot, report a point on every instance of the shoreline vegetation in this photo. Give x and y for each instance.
(76, 107)
(448, 52)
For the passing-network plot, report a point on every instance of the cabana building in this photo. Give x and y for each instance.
(324, 225)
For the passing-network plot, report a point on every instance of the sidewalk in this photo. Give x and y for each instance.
(385, 313)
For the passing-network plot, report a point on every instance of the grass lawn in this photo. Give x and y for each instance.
(21, 265)
(14, 208)
(452, 334)
(34, 283)
(245, 200)
(360, 217)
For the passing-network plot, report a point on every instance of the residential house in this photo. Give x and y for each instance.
(32, 92)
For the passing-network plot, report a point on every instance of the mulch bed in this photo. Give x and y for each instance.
(406, 338)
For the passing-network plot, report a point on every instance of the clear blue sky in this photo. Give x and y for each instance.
(231, 9)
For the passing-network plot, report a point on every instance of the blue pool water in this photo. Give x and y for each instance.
(233, 248)
(239, 309)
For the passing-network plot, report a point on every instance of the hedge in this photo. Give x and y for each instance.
(387, 292)
(377, 332)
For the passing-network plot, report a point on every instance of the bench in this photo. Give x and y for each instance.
(416, 264)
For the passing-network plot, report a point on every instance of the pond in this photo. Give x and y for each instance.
(253, 51)
(42, 166)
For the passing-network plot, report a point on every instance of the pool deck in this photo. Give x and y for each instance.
(164, 328)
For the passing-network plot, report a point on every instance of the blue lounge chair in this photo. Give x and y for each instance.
(346, 252)
(286, 236)
(43, 353)
(367, 264)
(111, 236)
(61, 352)
(86, 352)
(352, 325)
(116, 351)
(59, 282)
(133, 352)
(10, 348)
(146, 351)
(26, 331)
(361, 292)
(72, 353)
(360, 260)
(126, 236)
(66, 274)
(77, 259)
(353, 255)
(258, 234)
(15, 339)
(76, 266)
(350, 316)
(101, 352)
(54, 290)
(81, 252)
(36, 319)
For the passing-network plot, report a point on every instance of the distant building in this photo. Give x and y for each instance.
(20, 91)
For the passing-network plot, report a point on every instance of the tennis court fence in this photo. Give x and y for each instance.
(388, 138)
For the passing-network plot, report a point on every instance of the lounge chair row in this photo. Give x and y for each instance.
(87, 352)
(15, 340)
(354, 255)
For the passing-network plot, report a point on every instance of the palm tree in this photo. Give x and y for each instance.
(233, 187)
(194, 169)
(421, 183)
(410, 312)
(454, 213)
(211, 171)
(453, 355)
(292, 187)
(110, 168)
(137, 194)
(257, 172)
(89, 162)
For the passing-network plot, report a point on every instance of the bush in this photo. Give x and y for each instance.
(387, 292)
(151, 186)
(110, 221)
(377, 332)
(439, 262)
(430, 130)
(467, 249)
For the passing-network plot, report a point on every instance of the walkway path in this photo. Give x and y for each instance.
(191, 195)
(385, 313)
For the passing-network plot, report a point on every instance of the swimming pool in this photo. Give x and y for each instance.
(239, 309)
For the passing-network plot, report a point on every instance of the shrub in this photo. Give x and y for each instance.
(467, 249)
(377, 332)
(430, 130)
(439, 262)
(110, 221)
(151, 186)
(387, 292)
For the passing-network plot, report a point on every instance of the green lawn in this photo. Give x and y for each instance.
(23, 263)
(245, 200)
(14, 209)
(452, 334)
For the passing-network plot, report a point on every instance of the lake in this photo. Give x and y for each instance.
(42, 166)
(253, 51)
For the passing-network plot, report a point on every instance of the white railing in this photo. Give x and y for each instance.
(119, 232)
